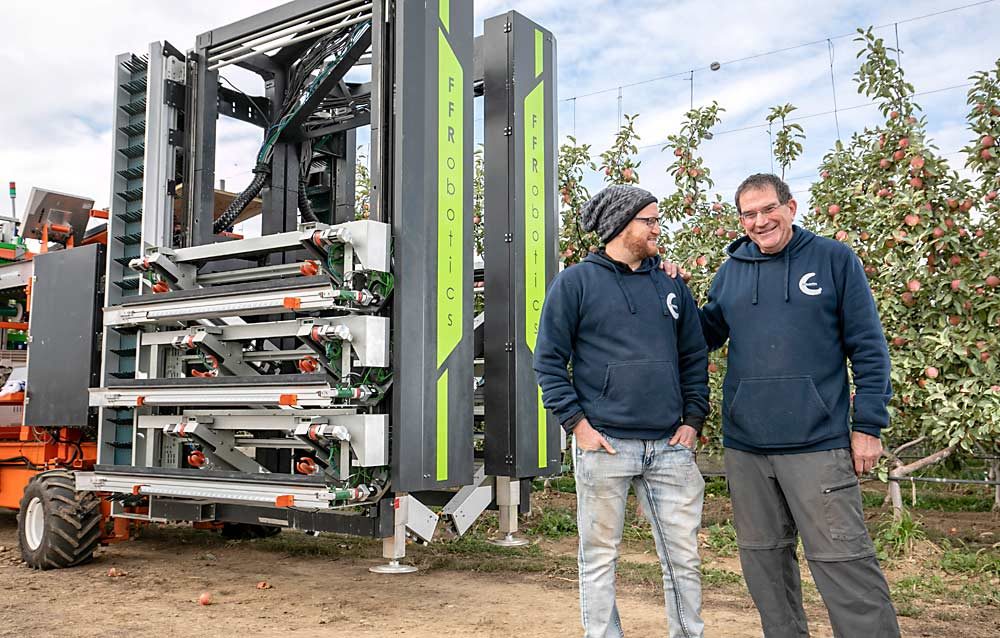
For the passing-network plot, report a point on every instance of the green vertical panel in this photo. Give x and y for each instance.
(534, 230)
(444, 11)
(451, 197)
(442, 427)
(450, 220)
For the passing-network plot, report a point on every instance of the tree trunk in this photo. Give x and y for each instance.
(901, 470)
(994, 475)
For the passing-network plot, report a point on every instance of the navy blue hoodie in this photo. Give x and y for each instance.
(634, 341)
(793, 318)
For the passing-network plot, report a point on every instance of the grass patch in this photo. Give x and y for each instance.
(565, 483)
(645, 574)
(716, 486)
(896, 538)
(713, 577)
(554, 522)
(871, 499)
(332, 546)
(951, 502)
(962, 560)
(721, 539)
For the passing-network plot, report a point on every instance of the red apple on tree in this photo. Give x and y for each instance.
(931, 372)
(913, 285)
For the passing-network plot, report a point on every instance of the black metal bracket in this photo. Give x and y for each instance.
(174, 94)
(243, 107)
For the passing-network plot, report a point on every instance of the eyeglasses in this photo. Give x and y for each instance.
(751, 215)
(651, 222)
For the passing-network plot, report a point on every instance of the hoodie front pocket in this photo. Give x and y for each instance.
(640, 393)
(778, 412)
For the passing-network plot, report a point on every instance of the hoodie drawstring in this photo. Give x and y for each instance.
(787, 269)
(756, 278)
(621, 284)
(660, 291)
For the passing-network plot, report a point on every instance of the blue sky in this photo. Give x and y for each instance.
(57, 58)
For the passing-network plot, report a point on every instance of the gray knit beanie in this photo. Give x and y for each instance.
(609, 211)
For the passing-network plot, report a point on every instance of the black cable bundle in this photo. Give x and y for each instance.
(261, 174)
(305, 206)
(301, 82)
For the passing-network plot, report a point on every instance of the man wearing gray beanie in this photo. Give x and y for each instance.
(635, 403)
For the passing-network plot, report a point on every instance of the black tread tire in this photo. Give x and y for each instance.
(72, 522)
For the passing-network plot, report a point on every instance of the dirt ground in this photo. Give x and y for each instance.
(322, 587)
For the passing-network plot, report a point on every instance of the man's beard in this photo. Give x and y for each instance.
(639, 248)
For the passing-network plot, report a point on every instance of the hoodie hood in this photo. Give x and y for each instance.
(743, 249)
(601, 258)
(648, 267)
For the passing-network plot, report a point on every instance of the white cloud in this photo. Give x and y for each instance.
(57, 58)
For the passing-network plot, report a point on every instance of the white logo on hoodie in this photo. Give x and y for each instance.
(671, 306)
(807, 287)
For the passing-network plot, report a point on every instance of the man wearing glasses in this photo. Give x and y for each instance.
(635, 403)
(795, 307)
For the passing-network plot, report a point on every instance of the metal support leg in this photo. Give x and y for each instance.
(508, 498)
(394, 547)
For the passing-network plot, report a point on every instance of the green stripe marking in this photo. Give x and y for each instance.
(534, 233)
(442, 427)
(444, 11)
(450, 223)
(451, 200)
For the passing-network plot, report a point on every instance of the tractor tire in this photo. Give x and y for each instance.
(57, 526)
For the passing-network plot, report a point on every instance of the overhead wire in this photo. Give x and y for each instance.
(762, 54)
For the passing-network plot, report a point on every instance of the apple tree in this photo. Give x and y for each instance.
(893, 198)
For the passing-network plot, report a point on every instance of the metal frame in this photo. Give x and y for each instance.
(337, 299)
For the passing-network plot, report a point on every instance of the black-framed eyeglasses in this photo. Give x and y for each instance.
(650, 222)
(751, 215)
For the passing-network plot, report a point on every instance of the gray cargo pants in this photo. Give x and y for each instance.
(815, 495)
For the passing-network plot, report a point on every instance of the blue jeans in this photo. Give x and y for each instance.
(670, 490)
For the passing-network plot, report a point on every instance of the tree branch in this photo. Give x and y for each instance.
(940, 455)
